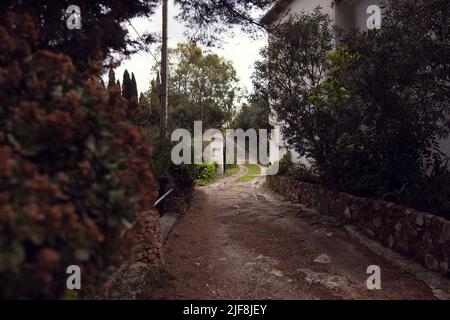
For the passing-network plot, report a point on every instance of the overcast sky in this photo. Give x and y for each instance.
(242, 50)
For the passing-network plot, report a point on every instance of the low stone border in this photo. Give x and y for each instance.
(424, 236)
(137, 275)
(167, 222)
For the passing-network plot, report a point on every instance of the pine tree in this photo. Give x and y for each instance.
(118, 84)
(111, 78)
(126, 85)
(134, 91)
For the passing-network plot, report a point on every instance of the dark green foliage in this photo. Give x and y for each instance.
(134, 90)
(207, 19)
(143, 101)
(293, 64)
(254, 114)
(105, 23)
(371, 114)
(111, 78)
(103, 27)
(127, 90)
(285, 164)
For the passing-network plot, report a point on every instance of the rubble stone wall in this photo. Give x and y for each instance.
(421, 235)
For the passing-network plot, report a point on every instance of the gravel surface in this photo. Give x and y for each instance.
(241, 241)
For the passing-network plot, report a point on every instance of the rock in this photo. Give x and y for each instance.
(413, 233)
(391, 241)
(420, 220)
(149, 234)
(323, 258)
(443, 267)
(431, 262)
(370, 233)
(428, 219)
(445, 233)
(276, 273)
(378, 222)
(330, 234)
(347, 213)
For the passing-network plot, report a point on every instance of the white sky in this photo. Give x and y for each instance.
(239, 48)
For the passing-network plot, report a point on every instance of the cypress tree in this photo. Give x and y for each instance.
(126, 85)
(134, 91)
(118, 84)
(111, 78)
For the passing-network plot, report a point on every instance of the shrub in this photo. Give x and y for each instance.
(205, 172)
(285, 164)
(297, 171)
(73, 171)
(184, 175)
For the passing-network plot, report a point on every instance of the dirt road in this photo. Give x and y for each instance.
(241, 241)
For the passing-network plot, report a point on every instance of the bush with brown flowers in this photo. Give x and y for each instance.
(73, 170)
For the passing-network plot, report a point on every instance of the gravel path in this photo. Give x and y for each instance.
(241, 241)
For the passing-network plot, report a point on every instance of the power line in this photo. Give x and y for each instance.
(145, 44)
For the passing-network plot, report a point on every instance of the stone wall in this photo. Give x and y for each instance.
(421, 235)
(150, 238)
(136, 276)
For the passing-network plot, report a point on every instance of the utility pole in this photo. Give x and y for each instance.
(164, 71)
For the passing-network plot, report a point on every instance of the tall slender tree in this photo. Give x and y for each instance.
(134, 91)
(118, 85)
(126, 85)
(111, 78)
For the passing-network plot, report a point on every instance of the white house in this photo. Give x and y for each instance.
(346, 14)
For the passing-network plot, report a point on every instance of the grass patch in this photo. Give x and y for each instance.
(253, 171)
(228, 173)
(231, 171)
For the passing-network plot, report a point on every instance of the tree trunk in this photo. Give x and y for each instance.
(164, 72)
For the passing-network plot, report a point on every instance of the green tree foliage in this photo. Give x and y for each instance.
(206, 20)
(127, 90)
(253, 114)
(111, 78)
(104, 24)
(370, 113)
(73, 170)
(143, 101)
(402, 85)
(151, 101)
(294, 64)
(103, 27)
(134, 90)
(201, 87)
